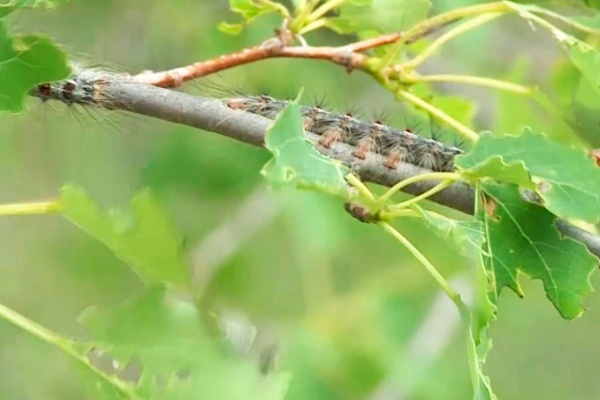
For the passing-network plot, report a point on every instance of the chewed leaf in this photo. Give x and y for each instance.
(480, 344)
(143, 237)
(468, 235)
(522, 238)
(565, 178)
(168, 337)
(379, 15)
(98, 384)
(157, 327)
(483, 314)
(24, 62)
(295, 160)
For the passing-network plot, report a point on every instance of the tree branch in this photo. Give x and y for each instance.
(214, 116)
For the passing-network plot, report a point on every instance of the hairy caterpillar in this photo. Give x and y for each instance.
(397, 145)
(87, 87)
(84, 87)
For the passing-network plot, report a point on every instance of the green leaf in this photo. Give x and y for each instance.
(579, 101)
(143, 236)
(587, 61)
(379, 16)
(168, 337)
(232, 29)
(565, 178)
(483, 389)
(494, 166)
(156, 327)
(295, 160)
(249, 10)
(483, 314)
(468, 235)
(470, 238)
(522, 238)
(99, 385)
(24, 62)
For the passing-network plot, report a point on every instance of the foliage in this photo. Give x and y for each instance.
(524, 180)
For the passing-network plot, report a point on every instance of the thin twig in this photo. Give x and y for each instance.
(348, 56)
(212, 115)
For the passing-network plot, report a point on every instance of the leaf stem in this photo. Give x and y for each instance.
(281, 9)
(301, 5)
(29, 326)
(324, 9)
(446, 18)
(407, 212)
(394, 209)
(451, 176)
(361, 187)
(464, 131)
(302, 11)
(463, 309)
(559, 34)
(64, 344)
(475, 80)
(312, 26)
(567, 21)
(443, 39)
(450, 292)
(42, 207)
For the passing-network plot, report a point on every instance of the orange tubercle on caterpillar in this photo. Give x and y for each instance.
(365, 146)
(330, 137)
(396, 157)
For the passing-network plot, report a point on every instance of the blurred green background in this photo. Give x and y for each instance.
(356, 317)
